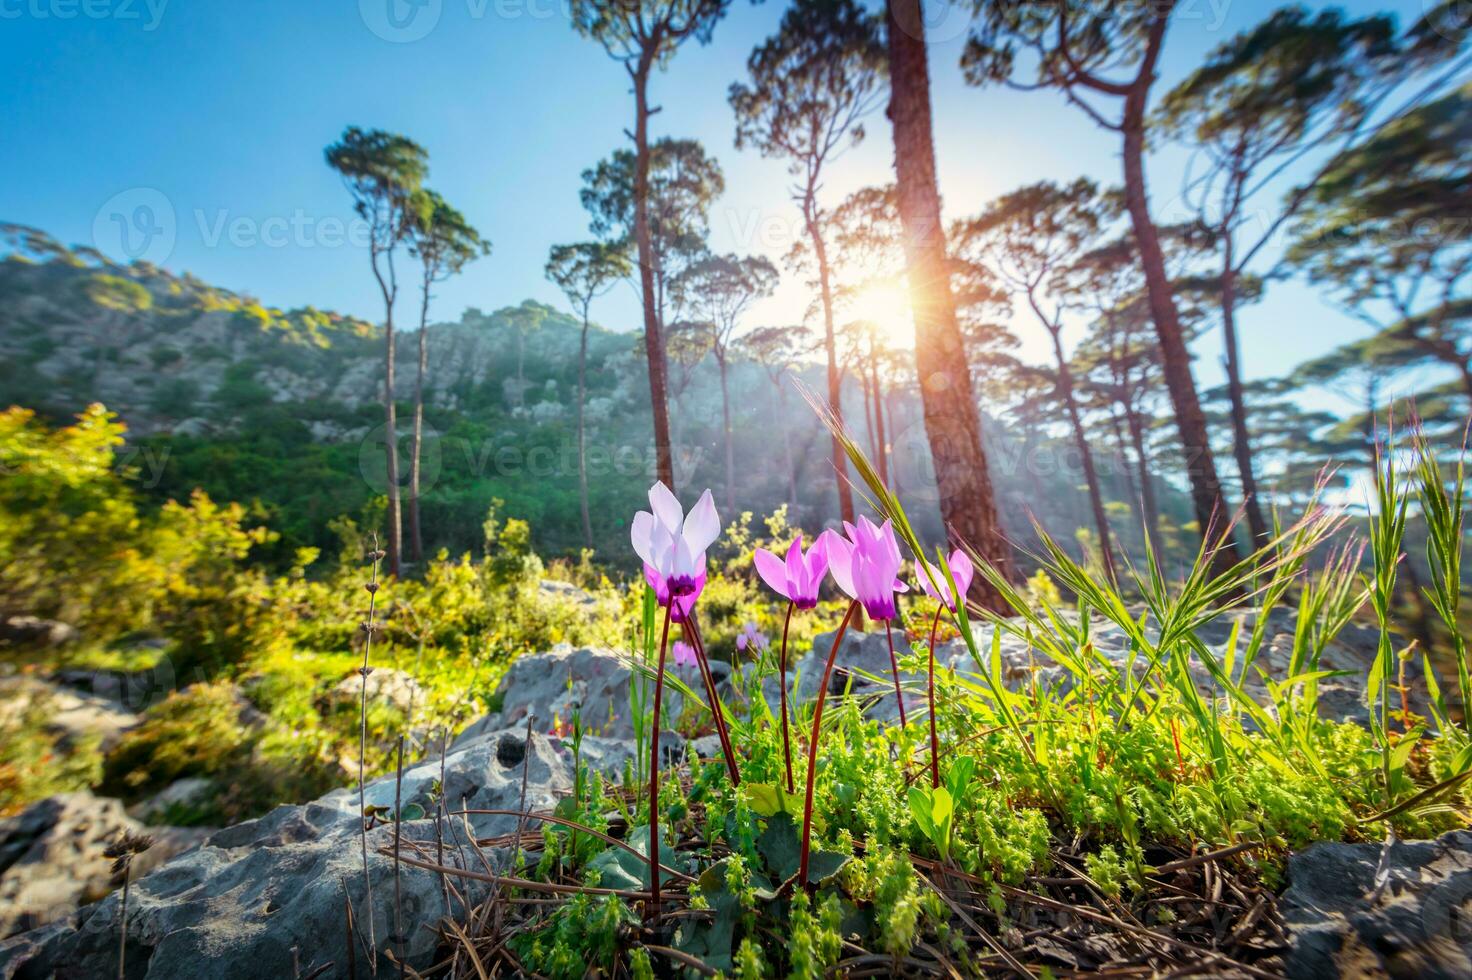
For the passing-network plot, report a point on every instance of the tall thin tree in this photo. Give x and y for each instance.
(383, 171)
(719, 290)
(952, 421)
(643, 35)
(1028, 237)
(1073, 49)
(1385, 231)
(811, 85)
(584, 272)
(444, 242)
(1296, 83)
(777, 350)
(684, 182)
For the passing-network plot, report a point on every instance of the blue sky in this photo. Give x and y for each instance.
(214, 115)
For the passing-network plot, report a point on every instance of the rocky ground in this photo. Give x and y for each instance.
(269, 897)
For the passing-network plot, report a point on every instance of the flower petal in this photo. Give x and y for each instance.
(658, 584)
(815, 566)
(703, 526)
(962, 571)
(772, 571)
(661, 548)
(683, 562)
(840, 562)
(666, 507)
(924, 572)
(794, 560)
(641, 534)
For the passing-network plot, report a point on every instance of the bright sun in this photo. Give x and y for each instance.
(887, 304)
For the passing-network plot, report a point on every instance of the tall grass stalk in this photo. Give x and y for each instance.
(1387, 532)
(1442, 512)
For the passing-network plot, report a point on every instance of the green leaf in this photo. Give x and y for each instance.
(618, 868)
(920, 811)
(941, 808)
(780, 847)
(1403, 749)
(823, 865)
(959, 777)
(711, 942)
(412, 812)
(781, 850)
(769, 799)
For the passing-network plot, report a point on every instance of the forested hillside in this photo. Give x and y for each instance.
(278, 409)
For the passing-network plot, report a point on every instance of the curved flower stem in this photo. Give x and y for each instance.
(894, 667)
(653, 909)
(715, 703)
(934, 740)
(782, 679)
(807, 807)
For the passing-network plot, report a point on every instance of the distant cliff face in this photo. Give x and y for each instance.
(173, 354)
(279, 405)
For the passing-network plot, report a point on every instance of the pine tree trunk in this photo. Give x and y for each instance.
(1212, 515)
(730, 438)
(416, 538)
(1085, 454)
(389, 288)
(1116, 425)
(1147, 481)
(653, 336)
(582, 450)
(792, 517)
(892, 428)
(952, 423)
(867, 393)
(880, 448)
(830, 347)
(1241, 439)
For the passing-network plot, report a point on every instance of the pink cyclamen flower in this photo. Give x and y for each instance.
(684, 654)
(750, 638)
(865, 565)
(672, 545)
(933, 578)
(799, 577)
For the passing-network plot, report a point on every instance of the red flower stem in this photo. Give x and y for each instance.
(715, 702)
(934, 739)
(1175, 736)
(653, 909)
(807, 807)
(782, 678)
(894, 667)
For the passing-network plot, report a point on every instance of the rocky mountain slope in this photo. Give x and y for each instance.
(219, 388)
